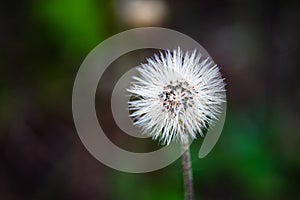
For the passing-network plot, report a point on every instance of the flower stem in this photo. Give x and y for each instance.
(187, 172)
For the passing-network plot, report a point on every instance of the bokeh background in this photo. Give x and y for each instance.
(43, 43)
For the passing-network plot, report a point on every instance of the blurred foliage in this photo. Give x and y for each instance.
(78, 25)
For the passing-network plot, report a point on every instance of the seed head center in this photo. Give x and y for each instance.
(177, 97)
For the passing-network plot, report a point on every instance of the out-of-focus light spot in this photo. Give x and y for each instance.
(135, 13)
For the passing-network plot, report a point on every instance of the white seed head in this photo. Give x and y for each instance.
(176, 96)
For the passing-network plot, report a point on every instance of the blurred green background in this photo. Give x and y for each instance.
(43, 43)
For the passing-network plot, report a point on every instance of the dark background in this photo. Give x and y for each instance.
(43, 43)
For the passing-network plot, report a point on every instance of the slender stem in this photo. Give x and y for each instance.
(187, 172)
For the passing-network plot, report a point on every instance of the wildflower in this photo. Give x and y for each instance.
(176, 96)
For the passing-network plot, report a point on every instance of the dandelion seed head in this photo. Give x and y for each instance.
(176, 96)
